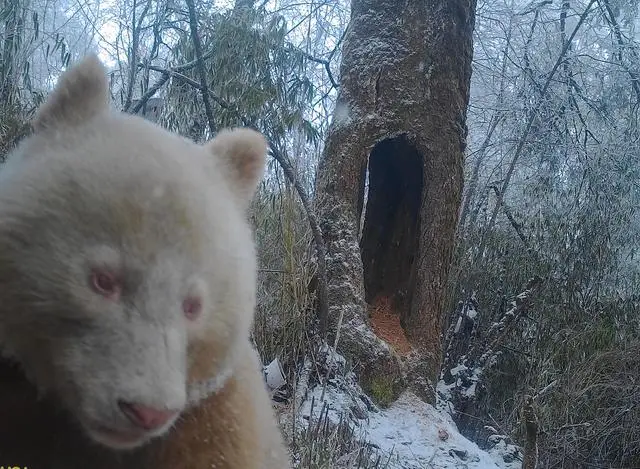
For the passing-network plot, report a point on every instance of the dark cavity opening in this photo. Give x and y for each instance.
(389, 242)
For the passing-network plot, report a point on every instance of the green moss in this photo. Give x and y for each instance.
(382, 390)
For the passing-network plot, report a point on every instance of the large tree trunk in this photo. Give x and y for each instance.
(400, 123)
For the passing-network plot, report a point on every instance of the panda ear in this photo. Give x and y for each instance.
(242, 153)
(81, 93)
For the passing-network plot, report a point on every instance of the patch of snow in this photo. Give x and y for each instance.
(410, 434)
(443, 391)
(506, 455)
(465, 382)
(332, 361)
(458, 324)
(456, 370)
(341, 114)
(470, 391)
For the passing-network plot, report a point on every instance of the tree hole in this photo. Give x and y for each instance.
(390, 231)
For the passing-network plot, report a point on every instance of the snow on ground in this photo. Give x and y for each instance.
(415, 434)
(465, 380)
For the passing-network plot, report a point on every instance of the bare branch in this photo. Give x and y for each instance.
(133, 54)
(200, 65)
(530, 120)
(150, 92)
(516, 226)
(327, 66)
(611, 19)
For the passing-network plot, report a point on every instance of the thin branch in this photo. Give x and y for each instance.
(516, 226)
(338, 44)
(327, 66)
(531, 119)
(150, 92)
(473, 181)
(499, 330)
(133, 54)
(135, 41)
(193, 23)
(178, 68)
(611, 19)
(168, 73)
(193, 63)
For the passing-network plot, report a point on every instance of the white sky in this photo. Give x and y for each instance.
(108, 31)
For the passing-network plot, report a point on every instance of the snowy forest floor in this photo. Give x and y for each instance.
(337, 418)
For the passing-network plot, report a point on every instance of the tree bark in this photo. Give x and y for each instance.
(531, 428)
(401, 118)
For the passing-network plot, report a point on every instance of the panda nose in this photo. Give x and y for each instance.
(146, 417)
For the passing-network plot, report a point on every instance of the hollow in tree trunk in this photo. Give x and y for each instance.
(400, 125)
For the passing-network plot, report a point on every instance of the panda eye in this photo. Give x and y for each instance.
(192, 306)
(105, 283)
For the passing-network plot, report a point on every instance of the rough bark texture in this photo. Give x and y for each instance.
(531, 427)
(401, 114)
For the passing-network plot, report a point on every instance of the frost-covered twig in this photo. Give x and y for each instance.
(467, 366)
(530, 121)
(498, 330)
(546, 389)
(197, 44)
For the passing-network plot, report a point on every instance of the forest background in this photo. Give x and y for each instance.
(546, 251)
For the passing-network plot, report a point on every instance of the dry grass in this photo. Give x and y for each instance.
(284, 313)
(324, 445)
(600, 403)
(284, 324)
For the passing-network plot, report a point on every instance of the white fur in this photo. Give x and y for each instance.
(93, 187)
